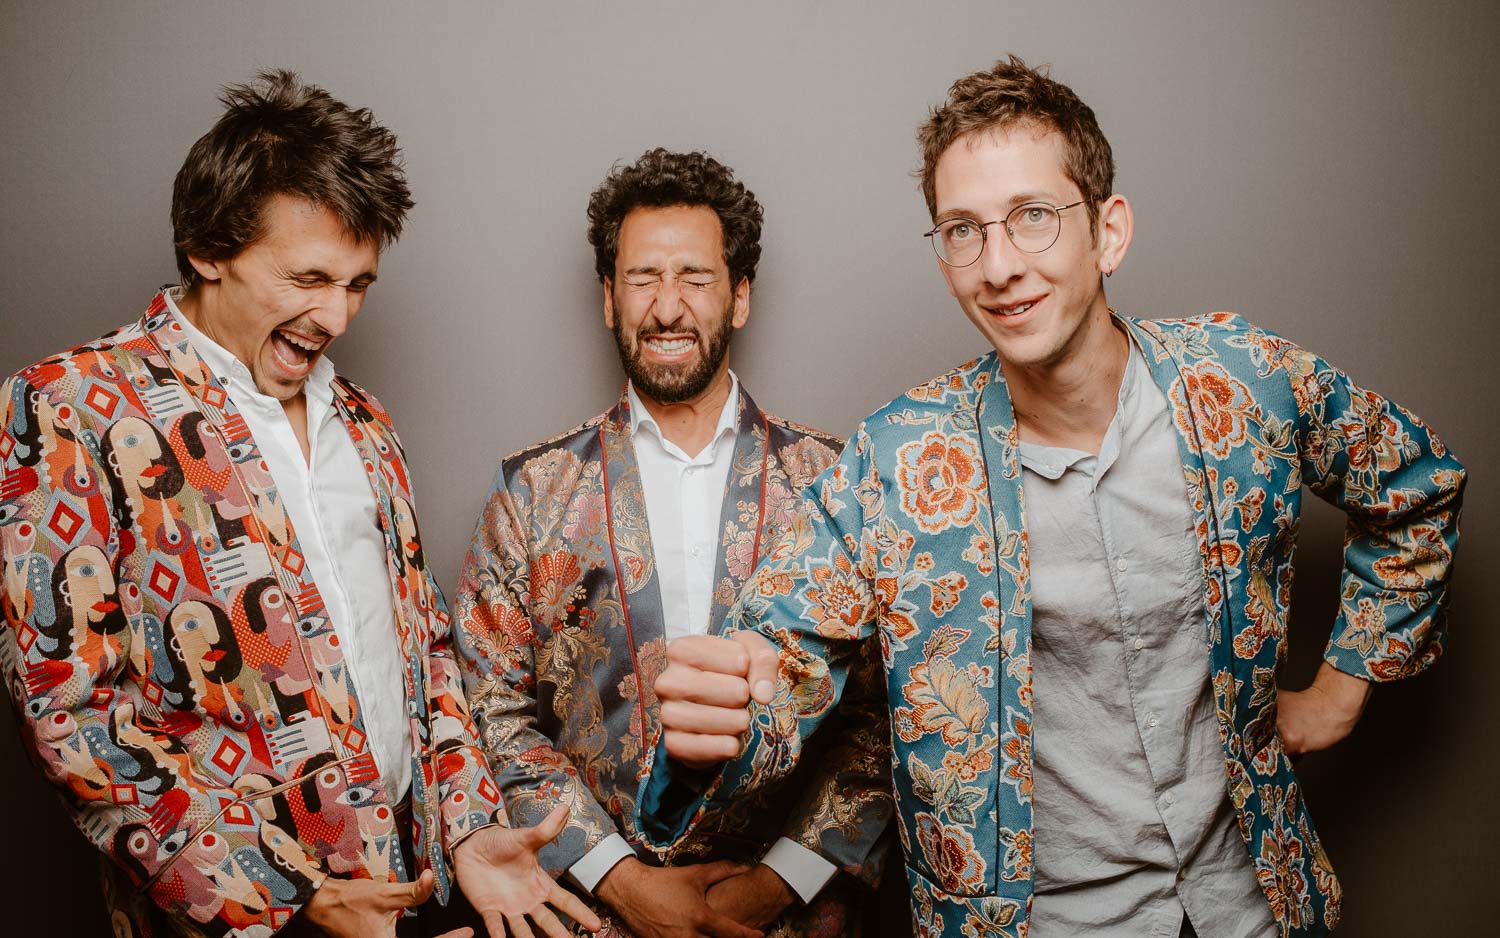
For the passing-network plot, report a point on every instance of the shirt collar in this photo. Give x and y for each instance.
(223, 362)
(641, 419)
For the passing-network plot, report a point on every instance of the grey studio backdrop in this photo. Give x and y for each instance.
(1325, 169)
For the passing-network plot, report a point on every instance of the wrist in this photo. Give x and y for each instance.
(617, 882)
(1346, 692)
(772, 884)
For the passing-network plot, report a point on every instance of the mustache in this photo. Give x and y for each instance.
(646, 332)
(308, 328)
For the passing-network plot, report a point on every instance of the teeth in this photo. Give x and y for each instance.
(300, 343)
(1014, 310)
(671, 346)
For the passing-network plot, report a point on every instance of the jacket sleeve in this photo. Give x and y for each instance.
(815, 597)
(497, 640)
(131, 777)
(1401, 490)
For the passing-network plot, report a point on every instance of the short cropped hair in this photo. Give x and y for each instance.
(661, 178)
(279, 136)
(1011, 94)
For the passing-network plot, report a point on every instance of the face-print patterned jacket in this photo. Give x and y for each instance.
(176, 674)
(559, 625)
(918, 536)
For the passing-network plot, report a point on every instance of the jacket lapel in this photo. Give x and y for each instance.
(742, 511)
(631, 549)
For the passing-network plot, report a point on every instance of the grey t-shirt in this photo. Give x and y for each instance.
(1133, 827)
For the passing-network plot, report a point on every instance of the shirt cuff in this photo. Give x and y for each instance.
(804, 871)
(606, 853)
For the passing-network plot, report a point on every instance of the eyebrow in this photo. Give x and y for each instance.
(1020, 198)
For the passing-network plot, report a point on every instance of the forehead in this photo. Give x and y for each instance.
(1002, 166)
(674, 232)
(308, 235)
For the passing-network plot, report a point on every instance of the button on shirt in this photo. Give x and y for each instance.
(332, 509)
(1132, 825)
(684, 497)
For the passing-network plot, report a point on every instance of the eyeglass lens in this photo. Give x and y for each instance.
(1032, 228)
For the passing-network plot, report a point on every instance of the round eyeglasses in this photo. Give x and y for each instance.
(1032, 227)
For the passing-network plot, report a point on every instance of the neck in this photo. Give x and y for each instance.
(1069, 402)
(193, 304)
(690, 424)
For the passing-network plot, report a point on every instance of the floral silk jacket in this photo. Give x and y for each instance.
(918, 535)
(175, 670)
(559, 625)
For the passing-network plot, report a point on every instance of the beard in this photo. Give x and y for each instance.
(673, 384)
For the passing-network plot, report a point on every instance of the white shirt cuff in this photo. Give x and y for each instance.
(606, 853)
(804, 871)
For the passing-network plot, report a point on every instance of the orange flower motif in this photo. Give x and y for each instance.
(835, 599)
(1218, 404)
(512, 628)
(553, 577)
(950, 854)
(941, 480)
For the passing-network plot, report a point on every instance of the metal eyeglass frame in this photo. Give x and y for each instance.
(984, 234)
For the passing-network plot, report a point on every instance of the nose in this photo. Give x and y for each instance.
(336, 308)
(670, 303)
(1000, 261)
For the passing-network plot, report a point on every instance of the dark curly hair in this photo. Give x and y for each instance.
(280, 136)
(662, 178)
(1014, 93)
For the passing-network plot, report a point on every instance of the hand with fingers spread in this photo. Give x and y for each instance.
(671, 901)
(365, 908)
(756, 897)
(704, 692)
(498, 871)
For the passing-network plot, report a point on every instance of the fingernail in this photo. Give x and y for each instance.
(762, 691)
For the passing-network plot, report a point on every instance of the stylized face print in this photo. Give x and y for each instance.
(140, 460)
(202, 646)
(406, 532)
(89, 589)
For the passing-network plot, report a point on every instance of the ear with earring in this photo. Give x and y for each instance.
(1109, 271)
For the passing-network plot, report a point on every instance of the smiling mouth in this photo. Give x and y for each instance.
(294, 352)
(1007, 312)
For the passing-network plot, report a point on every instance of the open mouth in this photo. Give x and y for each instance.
(293, 352)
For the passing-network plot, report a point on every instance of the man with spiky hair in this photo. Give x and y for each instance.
(598, 547)
(220, 634)
(1076, 551)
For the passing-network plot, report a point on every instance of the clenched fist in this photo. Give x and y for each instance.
(705, 693)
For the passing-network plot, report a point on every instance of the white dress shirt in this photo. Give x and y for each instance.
(332, 509)
(684, 496)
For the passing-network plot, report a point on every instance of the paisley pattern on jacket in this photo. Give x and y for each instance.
(918, 536)
(174, 666)
(561, 633)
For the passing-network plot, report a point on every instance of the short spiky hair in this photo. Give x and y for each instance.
(661, 178)
(278, 136)
(1012, 93)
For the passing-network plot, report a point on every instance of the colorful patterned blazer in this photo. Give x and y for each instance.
(175, 670)
(559, 622)
(918, 536)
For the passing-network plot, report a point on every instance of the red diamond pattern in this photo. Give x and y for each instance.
(64, 522)
(489, 792)
(228, 756)
(7, 443)
(238, 813)
(164, 582)
(122, 794)
(25, 637)
(213, 395)
(152, 692)
(354, 739)
(102, 402)
(293, 562)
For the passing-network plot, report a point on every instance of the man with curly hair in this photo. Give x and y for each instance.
(219, 629)
(1076, 553)
(598, 547)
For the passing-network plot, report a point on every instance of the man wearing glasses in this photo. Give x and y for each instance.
(1076, 554)
(598, 547)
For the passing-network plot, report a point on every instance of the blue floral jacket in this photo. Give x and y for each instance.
(918, 536)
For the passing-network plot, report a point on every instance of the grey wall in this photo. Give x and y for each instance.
(1325, 169)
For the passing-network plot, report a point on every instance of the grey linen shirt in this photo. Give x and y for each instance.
(1132, 827)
